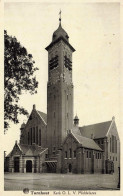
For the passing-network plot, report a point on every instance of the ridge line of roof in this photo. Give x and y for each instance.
(74, 134)
(96, 123)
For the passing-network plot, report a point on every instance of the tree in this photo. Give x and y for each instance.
(18, 77)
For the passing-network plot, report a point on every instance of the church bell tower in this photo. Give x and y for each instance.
(59, 89)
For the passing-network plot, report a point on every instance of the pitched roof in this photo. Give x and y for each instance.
(86, 142)
(97, 130)
(43, 116)
(29, 150)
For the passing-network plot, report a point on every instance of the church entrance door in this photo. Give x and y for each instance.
(70, 168)
(29, 166)
(16, 164)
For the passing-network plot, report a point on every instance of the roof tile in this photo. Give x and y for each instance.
(97, 130)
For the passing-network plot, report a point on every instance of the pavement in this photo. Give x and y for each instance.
(48, 181)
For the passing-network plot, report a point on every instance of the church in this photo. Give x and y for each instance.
(54, 142)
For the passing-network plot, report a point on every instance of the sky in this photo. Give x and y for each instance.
(94, 31)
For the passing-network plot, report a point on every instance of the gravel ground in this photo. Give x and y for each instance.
(19, 181)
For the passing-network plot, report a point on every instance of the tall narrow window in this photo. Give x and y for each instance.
(74, 153)
(116, 146)
(87, 154)
(70, 153)
(98, 155)
(36, 135)
(110, 144)
(31, 135)
(65, 154)
(54, 115)
(39, 137)
(90, 154)
(28, 138)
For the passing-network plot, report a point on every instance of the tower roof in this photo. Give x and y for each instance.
(76, 117)
(60, 32)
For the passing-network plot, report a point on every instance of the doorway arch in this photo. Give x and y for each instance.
(70, 168)
(16, 164)
(29, 166)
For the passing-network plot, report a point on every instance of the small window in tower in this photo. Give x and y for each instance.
(67, 96)
(54, 115)
(98, 156)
